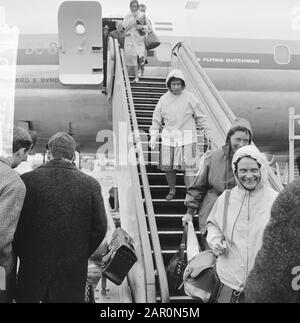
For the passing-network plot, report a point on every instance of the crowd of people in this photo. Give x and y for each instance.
(52, 220)
(240, 218)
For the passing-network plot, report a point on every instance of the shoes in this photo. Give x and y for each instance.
(136, 80)
(171, 195)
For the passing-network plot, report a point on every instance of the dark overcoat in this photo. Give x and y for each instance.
(275, 277)
(62, 223)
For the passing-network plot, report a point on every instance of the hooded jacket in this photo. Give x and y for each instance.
(215, 177)
(275, 277)
(248, 215)
(178, 115)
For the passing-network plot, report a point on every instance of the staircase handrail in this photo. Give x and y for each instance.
(145, 252)
(162, 276)
(221, 117)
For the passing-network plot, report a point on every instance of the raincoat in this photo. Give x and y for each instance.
(215, 177)
(179, 115)
(248, 214)
(134, 43)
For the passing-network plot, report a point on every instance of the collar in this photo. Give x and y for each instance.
(61, 162)
(5, 161)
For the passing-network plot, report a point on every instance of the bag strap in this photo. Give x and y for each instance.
(226, 205)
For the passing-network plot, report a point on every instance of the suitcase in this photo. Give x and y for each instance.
(120, 258)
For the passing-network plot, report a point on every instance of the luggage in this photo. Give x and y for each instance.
(120, 258)
(176, 266)
(151, 41)
(200, 277)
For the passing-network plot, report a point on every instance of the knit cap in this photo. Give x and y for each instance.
(62, 145)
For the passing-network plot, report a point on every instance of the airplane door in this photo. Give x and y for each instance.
(80, 42)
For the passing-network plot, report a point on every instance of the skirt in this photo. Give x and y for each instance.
(179, 158)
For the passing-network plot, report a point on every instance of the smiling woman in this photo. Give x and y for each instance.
(249, 208)
(248, 173)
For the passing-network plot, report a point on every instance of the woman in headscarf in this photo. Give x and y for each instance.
(179, 114)
(216, 175)
(236, 224)
(136, 26)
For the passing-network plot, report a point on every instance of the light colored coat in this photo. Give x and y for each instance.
(134, 43)
(179, 116)
(12, 195)
(248, 215)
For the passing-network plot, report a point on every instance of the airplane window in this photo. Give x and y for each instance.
(282, 54)
(79, 27)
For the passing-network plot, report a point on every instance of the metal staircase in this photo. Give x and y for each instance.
(144, 209)
(168, 214)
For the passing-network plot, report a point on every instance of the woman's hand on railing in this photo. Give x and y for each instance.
(152, 142)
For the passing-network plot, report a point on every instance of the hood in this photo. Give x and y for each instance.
(253, 152)
(175, 73)
(241, 122)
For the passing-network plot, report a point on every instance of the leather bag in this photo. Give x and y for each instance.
(151, 41)
(176, 266)
(200, 277)
(120, 258)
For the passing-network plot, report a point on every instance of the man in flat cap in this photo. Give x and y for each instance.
(62, 223)
(12, 194)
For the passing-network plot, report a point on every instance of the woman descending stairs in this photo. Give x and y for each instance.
(168, 214)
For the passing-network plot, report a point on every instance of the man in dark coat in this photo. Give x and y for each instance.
(275, 277)
(62, 223)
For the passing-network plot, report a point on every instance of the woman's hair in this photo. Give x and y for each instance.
(134, 1)
(238, 128)
(173, 78)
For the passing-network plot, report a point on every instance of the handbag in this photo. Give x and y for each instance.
(151, 41)
(120, 258)
(200, 277)
(176, 266)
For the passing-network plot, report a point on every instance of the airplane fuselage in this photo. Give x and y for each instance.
(251, 53)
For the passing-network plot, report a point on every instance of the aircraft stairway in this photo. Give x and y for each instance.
(168, 214)
(144, 212)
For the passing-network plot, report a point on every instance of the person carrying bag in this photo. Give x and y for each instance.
(237, 237)
(200, 279)
(177, 265)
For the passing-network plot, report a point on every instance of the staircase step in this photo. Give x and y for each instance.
(160, 191)
(144, 113)
(163, 206)
(160, 179)
(156, 95)
(146, 89)
(144, 106)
